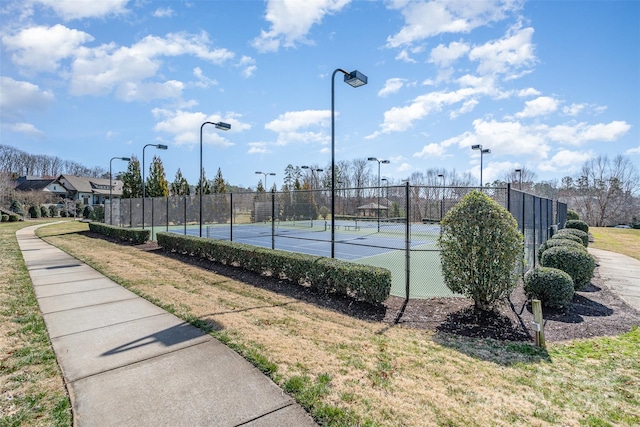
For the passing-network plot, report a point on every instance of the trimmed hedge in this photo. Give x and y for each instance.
(327, 275)
(571, 214)
(5, 218)
(14, 218)
(578, 263)
(553, 287)
(137, 237)
(551, 243)
(576, 223)
(579, 233)
(566, 236)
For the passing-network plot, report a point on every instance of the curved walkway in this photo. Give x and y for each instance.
(621, 274)
(127, 362)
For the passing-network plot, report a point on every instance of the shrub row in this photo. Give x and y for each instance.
(327, 275)
(551, 243)
(136, 237)
(10, 218)
(576, 232)
(576, 223)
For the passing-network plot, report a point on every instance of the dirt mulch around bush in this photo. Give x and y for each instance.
(595, 311)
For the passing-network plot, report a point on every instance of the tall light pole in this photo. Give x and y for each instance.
(159, 147)
(519, 172)
(354, 79)
(218, 125)
(265, 178)
(314, 179)
(126, 159)
(440, 175)
(482, 152)
(375, 159)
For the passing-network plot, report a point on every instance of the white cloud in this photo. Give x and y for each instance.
(185, 126)
(467, 107)
(444, 56)
(391, 86)
(24, 128)
(78, 9)
(131, 91)
(566, 161)
(203, 81)
(257, 148)
(431, 150)
(99, 70)
(573, 109)
(513, 52)
(291, 20)
(403, 55)
(294, 127)
(580, 133)
(538, 107)
(425, 19)
(163, 12)
(399, 119)
(523, 93)
(248, 65)
(41, 48)
(631, 151)
(404, 167)
(19, 95)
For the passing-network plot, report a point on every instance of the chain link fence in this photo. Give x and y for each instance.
(395, 227)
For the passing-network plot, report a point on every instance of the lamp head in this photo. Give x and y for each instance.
(223, 126)
(355, 79)
(372, 159)
(258, 173)
(476, 147)
(486, 151)
(271, 173)
(440, 175)
(319, 170)
(519, 170)
(126, 159)
(161, 147)
(304, 167)
(385, 161)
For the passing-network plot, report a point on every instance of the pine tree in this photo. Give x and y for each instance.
(180, 186)
(156, 185)
(221, 206)
(219, 185)
(132, 180)
(206, 188)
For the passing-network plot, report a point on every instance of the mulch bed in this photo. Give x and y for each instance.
(595, 311)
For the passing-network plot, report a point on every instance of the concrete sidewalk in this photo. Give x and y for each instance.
(621, 274)
(127, 362)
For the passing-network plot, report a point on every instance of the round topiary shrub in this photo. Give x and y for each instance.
(551, 243)
(576, 223)
(553, 287)
(5, 218)
(567, 236)
(571, 214)
(579, 264)
(578, 233)
(87, 212)
(44, 212)
(53, 211)
(480, 247)
(14, 218)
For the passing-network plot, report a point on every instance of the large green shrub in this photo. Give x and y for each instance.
(87, 212)
(44, 212)
(5, 218)
(481, 246)
(567, 236)
(17, 207)
(34, 211)
(571, 214)
(576, 223)
(579, 264)
(553, 287)
(14, 218)
(53, 211)
(579, 233)
(551, 243)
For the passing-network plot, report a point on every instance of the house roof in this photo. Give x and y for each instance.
(83, 184)
(33, 184)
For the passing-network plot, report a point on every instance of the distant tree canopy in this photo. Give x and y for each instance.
(19, 163)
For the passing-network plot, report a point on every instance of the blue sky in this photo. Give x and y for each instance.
(544, 84)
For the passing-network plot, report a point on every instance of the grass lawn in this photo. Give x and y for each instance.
(347, 371)
(621, 240)
(32, 392)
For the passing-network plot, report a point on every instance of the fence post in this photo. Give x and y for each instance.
(231, 218)
(185, 215)
(152, 225)
(273, 220)
(407, 242)
(167, 209)
(538, 322)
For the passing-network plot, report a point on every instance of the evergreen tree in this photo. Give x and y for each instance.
(156, 185)
(206, 188)
(221, 207)
(132, 180)
(180, 186)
